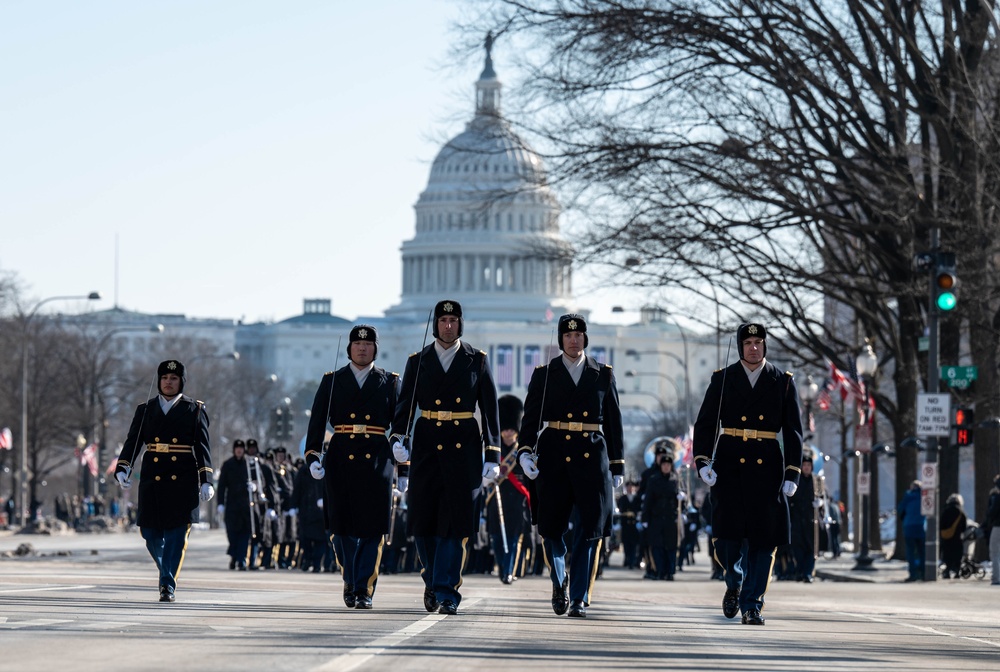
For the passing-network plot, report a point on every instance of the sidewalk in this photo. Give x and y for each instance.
(879, 571)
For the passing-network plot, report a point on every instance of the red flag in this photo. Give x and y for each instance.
(6, 439)
(88, 458)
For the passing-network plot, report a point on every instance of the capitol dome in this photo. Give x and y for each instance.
(487, 226)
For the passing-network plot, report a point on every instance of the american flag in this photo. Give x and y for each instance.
(504, 368)
(88, 458)
(6, 439)
(532, 358)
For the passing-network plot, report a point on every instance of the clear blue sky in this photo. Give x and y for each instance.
(246, 154)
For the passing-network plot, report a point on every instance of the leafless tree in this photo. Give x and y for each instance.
(781, 154)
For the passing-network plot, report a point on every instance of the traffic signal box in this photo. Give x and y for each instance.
(965, 418)
(945, 282)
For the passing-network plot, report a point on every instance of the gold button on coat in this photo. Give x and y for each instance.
(458, 445)
(440, 447)
(742, 460)
(437, 402)
(368, 417)
(156, 459)
(586, 434)
(760, 461)
(567, 458)
(760, 417)
(568, 437)
(173, 459)
(157, 478)
(174, 477)
(438, 423)
(352, 416)
(586, 454)
(350, 457)
(743, 418)
(569, 415)
(368, 456)
(585, 414)
(458, 400)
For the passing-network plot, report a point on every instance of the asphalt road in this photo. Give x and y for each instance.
(89, 602)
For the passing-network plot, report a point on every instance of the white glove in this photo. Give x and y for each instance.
(618, 480)
(291, 513)
(207, 492)
(491, 472)
(400, 452)
(271, 514)
(319, 502)
(402, 483)
(251, 487)
(640, 526)
(817, 503)
(317, 470)
(788, 488)
(708, 476)
(221, 509)
(528, 463)
(681, 496)
(123, 479)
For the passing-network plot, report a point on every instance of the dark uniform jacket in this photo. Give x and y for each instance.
(575, 463)
(233, 493)
(447, 454)
(358, 462)
(659, 511)
(305, 497)
(803, 515)
(629, 508)
(177, 460)
(748, 503)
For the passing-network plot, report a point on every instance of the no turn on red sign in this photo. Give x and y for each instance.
(933, 415)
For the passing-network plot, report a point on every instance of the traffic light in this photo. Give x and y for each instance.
(965, 418)
(945, 282)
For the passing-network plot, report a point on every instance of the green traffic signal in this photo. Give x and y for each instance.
(946, 301)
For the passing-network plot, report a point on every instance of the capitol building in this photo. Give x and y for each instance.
(487, 234)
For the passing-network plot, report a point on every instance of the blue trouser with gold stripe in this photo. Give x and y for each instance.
(442, 559)
(167, 548)
(748, 569)
(582, 568)
(359, 559)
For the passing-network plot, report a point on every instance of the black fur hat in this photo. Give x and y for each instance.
(170, 366)
(448, 307)
(573, 322)
(511, 412)
(363, 332)
(750, 330)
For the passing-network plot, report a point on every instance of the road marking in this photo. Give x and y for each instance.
(923, 628)
(362, 654)
(37, 590)
(40, 622)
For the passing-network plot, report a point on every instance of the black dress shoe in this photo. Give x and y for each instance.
(232, 564)
(448, 608)
(560, 602)
(753, 617)
(577, 610)
(507, 579)
(166, 595)
(363, 602)
(430, 601)
(731, 603)
(349, 598)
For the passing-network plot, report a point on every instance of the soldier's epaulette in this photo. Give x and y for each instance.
(717, 371)
(607, 366)
(199, 402)
(414, 353)
(789, 374)
(482, 352)
(394, 374)
(540, 366)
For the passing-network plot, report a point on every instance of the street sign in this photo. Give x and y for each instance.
(864, 483)
(933, 415)
(928, 475)
(959, 376)
(923, 344)
(863, 438)
(927, 503)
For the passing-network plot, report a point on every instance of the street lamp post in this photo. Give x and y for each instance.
(808, 393)
(684, 365)
(28, 316)
(867, 365)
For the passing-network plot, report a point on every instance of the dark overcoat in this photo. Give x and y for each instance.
(659, 511)
(747, 499)
(233, 493)
(447, 456)
(359, 464)
(176, 462)
(574, 466)
(513, 497)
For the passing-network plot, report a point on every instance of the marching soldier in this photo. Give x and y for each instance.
(263, 516)
(453, 459)
(287, 537)
(175, 473)
(629, 509)
(506, 499)
(577, 459)
(357, 401)
(235, 497)
(751, 477)
(805, 508)
(660, 508)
